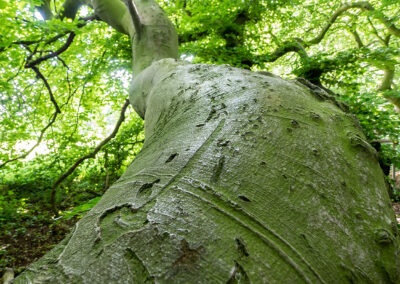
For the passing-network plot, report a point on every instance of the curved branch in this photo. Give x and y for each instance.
(332, 20)
(387, 81)
(52, 54)
(52, 98)
(299, 45)
(294, 46)
(363, 5)
(114, 13)
(159, 38)
(54, 116)
(91, 155)
(386, 85)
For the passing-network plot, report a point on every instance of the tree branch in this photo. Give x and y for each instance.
(294, 46)
(299, 46)
(91, 155)
(114, 13)
(375, 32)
(356, 36)
(45, 10)
(53, 39)
(70, 8)
(388, 23)
(53, 100)
(52, 54)
(386, 87)
(387, 81)
(135, 17)
(331, 21)
(54, 116)
(363, 5)
(33, 66)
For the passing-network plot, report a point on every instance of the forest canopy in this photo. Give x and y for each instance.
(67, 132)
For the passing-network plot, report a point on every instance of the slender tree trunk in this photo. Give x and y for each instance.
(242, 178)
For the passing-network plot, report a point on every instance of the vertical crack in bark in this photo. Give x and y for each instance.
(218, 169)
(238, 275)
(241, 247)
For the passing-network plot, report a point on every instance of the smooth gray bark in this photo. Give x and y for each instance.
(243, 178)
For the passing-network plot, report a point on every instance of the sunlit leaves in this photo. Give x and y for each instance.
(89, 81)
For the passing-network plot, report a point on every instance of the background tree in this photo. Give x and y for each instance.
(236, 35)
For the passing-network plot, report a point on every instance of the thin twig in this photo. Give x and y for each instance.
(53, 119)
(375, 31)
(54, 116)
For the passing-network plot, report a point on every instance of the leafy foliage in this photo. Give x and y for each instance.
(63, 82)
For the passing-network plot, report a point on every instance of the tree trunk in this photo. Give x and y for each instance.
(243, 178)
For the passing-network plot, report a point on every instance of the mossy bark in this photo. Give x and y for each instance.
(243, 178)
